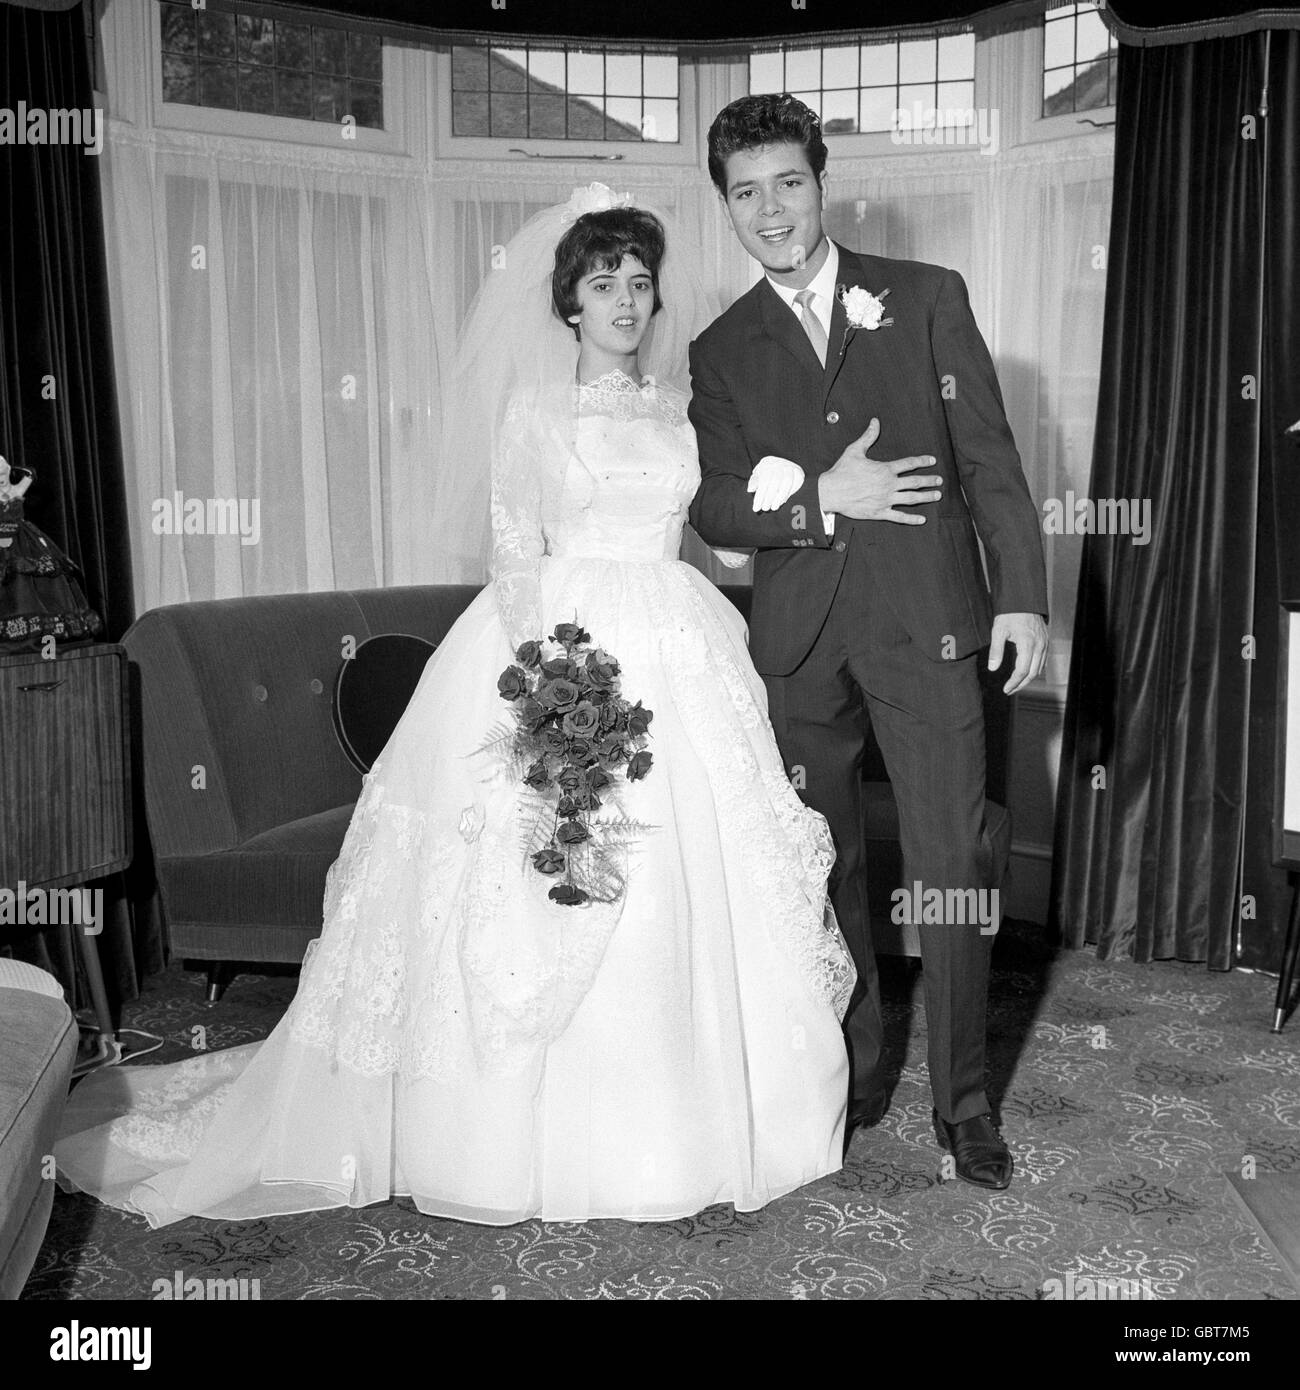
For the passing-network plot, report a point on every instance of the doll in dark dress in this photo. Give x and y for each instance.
(40, 595)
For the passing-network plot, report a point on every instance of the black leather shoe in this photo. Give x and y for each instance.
(983, 1159)
(865, 1114)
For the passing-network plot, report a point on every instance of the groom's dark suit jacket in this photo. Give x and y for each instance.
(758, 388)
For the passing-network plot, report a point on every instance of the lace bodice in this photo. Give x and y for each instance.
(606, 475)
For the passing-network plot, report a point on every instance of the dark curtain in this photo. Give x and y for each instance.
(58, 409)
(1168, 738)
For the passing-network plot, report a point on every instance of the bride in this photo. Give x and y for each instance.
(457, 1036)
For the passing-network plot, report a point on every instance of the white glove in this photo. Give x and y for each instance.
(773, 482)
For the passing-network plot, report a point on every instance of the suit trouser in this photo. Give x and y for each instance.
(865, 671)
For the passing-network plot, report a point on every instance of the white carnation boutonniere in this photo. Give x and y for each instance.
(863, 310)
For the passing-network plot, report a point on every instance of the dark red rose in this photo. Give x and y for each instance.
(582, 721)
(529, 654)
(601, 670)
(548, 861)
(612, 750)
(512, 683)
(567, 894)
(608, 717)
(638, 719)
(638, 765)
(572, 832)
(569, 778)
(560, 667)
(553, 739)
(563, 695)
(571, 634)
(582, 751)
(537, 776)
(574, 805)
(597, 778)
(532, 714)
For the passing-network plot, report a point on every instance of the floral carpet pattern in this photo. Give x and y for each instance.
(1126, 1093)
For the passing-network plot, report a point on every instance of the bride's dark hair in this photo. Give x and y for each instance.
(599, 241)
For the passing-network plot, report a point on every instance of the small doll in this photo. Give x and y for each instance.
(39, 591)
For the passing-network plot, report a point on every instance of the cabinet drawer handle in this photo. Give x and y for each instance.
(44, 686)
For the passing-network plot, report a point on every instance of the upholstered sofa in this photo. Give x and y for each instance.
(247, 791)
(38, 1047)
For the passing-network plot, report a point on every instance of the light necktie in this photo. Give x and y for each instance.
(812, 325)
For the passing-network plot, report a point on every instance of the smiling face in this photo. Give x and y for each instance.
(775, 203)
(614, 308)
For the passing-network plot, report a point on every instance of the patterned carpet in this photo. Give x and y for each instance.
(1125, 1091)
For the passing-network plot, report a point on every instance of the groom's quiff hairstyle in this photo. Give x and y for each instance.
(599, 241)
(752, 123)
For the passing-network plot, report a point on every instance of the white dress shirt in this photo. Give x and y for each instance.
(823, 287)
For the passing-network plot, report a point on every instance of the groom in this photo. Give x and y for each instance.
(870, 606)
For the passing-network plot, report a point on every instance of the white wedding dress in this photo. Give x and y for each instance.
(458, 1038)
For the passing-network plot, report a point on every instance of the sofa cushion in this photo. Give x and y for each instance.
(38, 1047)
(275, 879)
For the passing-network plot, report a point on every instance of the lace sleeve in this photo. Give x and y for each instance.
(517, 539)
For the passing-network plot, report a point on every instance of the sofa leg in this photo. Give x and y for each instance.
(218, 979)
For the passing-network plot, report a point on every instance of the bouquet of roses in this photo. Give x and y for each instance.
(576, 742)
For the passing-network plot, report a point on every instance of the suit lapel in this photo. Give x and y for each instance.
(851, 273)
(781, 324)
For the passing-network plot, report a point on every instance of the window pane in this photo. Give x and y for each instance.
(293, 94)
(1058, 42)
(840, 68)
(546, 66)
(661, 121)
(217, 84)
(878, 105)
(660, 75)
(257, 90)
(366, 57)
(367, 104)
(956, 57)
(810, 99)
(1090, 87)
(766, 73)
(180, 78)
(509, 116)
(329, 97)
(468, 70)
(803, 69)
(256, 38)
(622, 118)
(839, 113)
(957, 101)
(1091, 37)
(509, 70)
(586, 118)
(917, 59)
(216, 34)
(623, 74)
(1058, 90)
(879, 64)
(587, 73)
(292, 45)
(546, 116)
(921, 95)
(331, 47)
(177, 29)
(469, 113)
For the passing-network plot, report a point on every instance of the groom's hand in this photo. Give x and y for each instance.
(1028, 633)
(871, 490)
